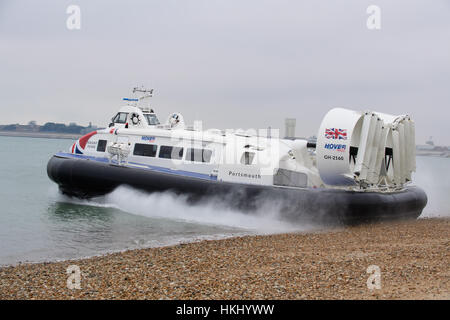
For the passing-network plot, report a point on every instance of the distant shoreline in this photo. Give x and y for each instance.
(433, 154)
(47, 135)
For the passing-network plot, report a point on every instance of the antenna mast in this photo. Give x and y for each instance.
(146, 93)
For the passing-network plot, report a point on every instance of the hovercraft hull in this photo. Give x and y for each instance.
(87, 178)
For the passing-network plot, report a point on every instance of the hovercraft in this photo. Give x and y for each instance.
(359, 168)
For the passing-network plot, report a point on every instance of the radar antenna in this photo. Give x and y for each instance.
(147, 93)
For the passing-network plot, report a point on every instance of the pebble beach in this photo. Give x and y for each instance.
(413, 258)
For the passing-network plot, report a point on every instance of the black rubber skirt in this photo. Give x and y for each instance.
(85, 178)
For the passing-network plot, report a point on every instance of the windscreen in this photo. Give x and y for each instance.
(152, 119)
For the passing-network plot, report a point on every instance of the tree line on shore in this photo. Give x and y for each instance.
(49, 127)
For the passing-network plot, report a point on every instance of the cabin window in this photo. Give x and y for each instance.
(152, 119)
(169, 152)
(247, 158)
(145, 150)
(198, 155)
(120, 117)
(101, 146)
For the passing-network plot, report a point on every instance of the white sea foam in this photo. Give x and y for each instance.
(214, 212)
(433, 176)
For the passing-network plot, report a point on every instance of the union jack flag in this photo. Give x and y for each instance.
(334, 133)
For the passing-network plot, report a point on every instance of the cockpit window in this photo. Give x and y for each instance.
(152, 119)
(121, 117)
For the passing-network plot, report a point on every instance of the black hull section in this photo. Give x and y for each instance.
(88, 178)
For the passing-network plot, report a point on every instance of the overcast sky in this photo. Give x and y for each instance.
(232, 64)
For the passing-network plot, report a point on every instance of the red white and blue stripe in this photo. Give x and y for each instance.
(78, 147)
